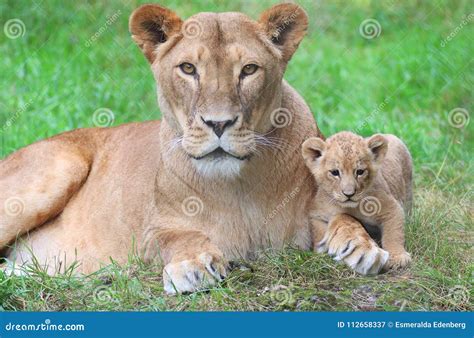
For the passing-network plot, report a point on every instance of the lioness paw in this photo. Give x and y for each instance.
(398, 261)
(195, 274)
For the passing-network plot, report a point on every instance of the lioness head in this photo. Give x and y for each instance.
(345, 165)
(219, 77)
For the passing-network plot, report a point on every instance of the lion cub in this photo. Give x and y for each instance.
(369, 179)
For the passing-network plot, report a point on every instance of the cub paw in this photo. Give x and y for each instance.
(361, 254)
(346, 240)
(191, 275)
(398, 261)
(367, 259)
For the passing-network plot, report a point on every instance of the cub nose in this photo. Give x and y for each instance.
(349, 194)
(219, 126)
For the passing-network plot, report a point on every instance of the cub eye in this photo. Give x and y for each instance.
(360, 172)
(334, 172)
(249, 69)
(187, 68)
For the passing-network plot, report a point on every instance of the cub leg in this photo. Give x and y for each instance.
(393, 236)
(37, 181)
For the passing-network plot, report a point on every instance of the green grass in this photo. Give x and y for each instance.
(405, 81)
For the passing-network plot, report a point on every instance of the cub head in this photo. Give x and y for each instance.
(345, 165)
(219, 77)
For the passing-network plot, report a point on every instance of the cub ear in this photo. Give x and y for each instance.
(285, 25)
(151, 26)
(313, 149)
(378, 145)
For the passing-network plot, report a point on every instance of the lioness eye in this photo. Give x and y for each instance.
(249, 69)
(187, 68)
(360, 172)
(334, 172)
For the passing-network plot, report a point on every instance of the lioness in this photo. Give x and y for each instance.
(369, 179)
(217, 179)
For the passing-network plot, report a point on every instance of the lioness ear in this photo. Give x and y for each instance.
(285, 25)
(313, 149)
(152, 25)
(378, 146)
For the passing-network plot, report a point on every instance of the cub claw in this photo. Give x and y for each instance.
(346, 240)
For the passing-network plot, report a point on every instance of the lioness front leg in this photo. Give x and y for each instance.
(37, 181)
(347, 240)
(192, 262)
(393, 237)
(318, 231)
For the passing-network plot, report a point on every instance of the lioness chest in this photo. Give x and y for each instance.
(241, 216)
(245, 224)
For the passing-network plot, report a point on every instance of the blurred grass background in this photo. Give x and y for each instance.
(68, 62)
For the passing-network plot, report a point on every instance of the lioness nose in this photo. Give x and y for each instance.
(219, 126)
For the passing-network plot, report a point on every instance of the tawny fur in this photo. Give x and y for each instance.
(95, 194)
(377, 172)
